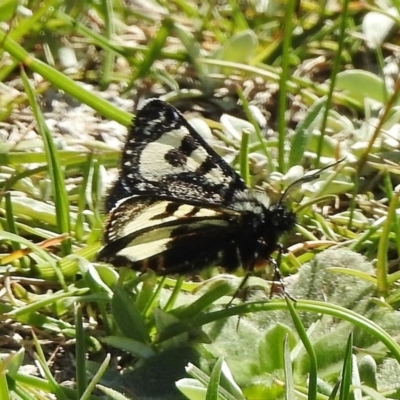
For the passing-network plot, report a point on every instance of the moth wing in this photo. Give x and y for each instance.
(170, 236)
(164, 155)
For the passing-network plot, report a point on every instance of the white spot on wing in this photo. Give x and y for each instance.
(186, 209)
(199, 155)
(152, 161)
(145, 250)
(144, 219)
(153, 164)
(174, 137)
(155, 242)
(217, 176)
(153, 215)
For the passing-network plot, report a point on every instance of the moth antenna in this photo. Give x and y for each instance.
(307, 178)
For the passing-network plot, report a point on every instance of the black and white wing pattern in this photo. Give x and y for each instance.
(164, 155)
(178, 207)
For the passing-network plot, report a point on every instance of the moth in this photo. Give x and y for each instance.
(178, 207)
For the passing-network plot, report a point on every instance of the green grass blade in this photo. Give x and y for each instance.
(29, 25)
(346, 379)
(56, 389)
(4, 389)
(155, 48)
(39, 251)
(175, 293)
(213, 385)
(301, 305)
(12, 227)
(109, 56)
(284, 78)
(244, 157)
(313, 374)
(383, 247)
(334, 72)
(46, 301)
(240, 21)
(54, 168)
(80, 352)
(96, 379)
(62, 82)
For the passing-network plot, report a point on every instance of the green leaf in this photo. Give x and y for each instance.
(12, 363)
(271, 348)
(289, 382)
(238, 48)
(128, 317)
(302, 135)
(163, 320)
(368, 371)
(192, 389)
(228, 383)
(359, 84)
(138, 349)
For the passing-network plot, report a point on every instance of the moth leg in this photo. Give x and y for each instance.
(236, 294)
(277, 274)
(238, 290)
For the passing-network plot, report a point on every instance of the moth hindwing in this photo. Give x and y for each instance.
(178, 207)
